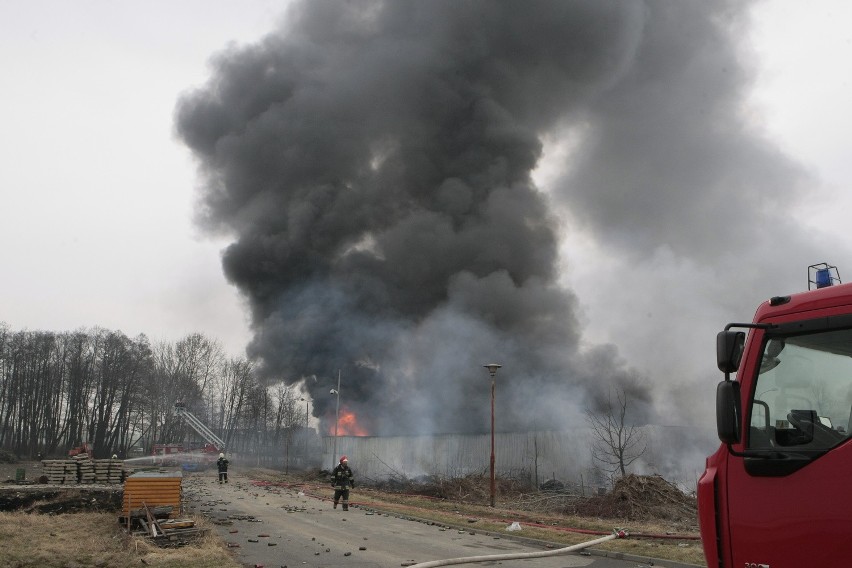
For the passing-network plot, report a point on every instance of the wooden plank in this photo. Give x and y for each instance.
(177, 524)
(157, 511)
(152, 522)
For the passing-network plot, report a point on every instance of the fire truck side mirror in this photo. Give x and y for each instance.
(728, 411)
(729, 350)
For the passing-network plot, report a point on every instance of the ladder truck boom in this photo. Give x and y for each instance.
(199, 426)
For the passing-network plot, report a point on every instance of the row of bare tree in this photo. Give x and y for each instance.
(59, 390)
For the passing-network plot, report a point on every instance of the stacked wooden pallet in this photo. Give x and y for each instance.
(83, 470)
(108, 471)
(60, 471)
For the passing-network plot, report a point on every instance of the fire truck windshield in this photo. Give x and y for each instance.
(803, 394)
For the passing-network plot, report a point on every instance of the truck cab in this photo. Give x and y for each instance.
(776, 492)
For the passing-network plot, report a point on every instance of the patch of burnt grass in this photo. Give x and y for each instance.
(55, 501)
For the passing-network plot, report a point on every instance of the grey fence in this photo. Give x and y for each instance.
(676, 453)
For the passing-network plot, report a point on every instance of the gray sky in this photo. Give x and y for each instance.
(97, 194)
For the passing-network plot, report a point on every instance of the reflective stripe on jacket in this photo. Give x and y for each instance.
(342, 477)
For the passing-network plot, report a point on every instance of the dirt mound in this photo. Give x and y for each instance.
(642, 498)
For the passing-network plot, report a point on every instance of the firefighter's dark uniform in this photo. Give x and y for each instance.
(342, 479)
(222, 466)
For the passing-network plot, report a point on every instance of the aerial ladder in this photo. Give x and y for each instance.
(199, 426)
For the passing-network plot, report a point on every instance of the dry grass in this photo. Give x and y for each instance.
(79, 537)
(84, 540)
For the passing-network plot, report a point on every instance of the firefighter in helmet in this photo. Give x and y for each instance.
(222, 466)
(342, 479)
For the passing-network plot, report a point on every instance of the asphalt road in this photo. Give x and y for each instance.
(278, 527)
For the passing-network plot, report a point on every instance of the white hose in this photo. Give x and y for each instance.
(519, 555)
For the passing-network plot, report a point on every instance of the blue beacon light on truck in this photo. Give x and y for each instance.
(822, 275)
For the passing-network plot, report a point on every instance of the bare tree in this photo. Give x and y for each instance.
(289, 416)
(235, 385)
(181, 371)
(121, 367)
(99, 386)
(79, 354)
(201, 359)
(617, 444)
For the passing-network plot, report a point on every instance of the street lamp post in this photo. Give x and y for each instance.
(307, 417)
(492, 370)
(257, 447)
(307, 410)
(336, 418)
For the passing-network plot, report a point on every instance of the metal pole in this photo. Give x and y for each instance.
(493, 482)
(492, 370)
(307, 414)
(336, 421)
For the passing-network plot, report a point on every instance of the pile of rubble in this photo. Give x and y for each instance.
(642, 498)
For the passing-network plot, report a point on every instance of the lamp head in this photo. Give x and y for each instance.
(492, 368)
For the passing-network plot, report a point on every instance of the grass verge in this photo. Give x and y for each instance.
(96, 540)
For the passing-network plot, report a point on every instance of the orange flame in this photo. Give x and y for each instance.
(347, 425)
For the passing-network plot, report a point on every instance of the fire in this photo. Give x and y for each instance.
(347, 425)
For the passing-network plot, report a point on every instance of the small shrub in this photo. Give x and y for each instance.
(7, 457)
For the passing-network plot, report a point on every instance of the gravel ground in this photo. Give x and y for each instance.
(32, 469)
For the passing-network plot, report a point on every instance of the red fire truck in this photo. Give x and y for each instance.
(776, 492)
(189, 456)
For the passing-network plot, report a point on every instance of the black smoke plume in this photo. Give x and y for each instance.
(374, 162)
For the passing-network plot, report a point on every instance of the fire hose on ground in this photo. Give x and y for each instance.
(618, 533)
